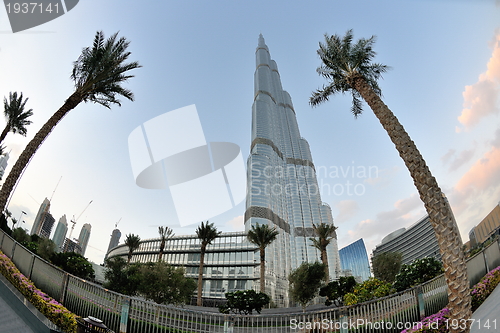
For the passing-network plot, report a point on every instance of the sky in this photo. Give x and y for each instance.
(444, 87)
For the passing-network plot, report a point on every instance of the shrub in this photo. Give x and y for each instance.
(244, 302)
(50, 308)
(368, 290)
(437, 323)
(336, 290)
(419, 271)
(485, 287)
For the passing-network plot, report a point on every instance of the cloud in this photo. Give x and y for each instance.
(237, 223)
(347, 209)
(481, 98)
(457, 161)
(383, 177)
(406, 212)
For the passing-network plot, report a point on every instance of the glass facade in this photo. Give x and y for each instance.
(282, 186)
(229, 261)
(353, 257)
(416, 242)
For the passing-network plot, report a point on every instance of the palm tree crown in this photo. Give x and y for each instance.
(133, 242)
(341, 62)
(165, 233)
(349, 67)
(325, 233)
(206, 232)
(97, 74)
(261, 235)
(16, 115)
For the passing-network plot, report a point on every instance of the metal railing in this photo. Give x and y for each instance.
(128, 314)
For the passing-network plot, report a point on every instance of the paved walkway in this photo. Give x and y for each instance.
(488, 314)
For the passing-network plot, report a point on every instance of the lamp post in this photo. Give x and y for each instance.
(19, 220)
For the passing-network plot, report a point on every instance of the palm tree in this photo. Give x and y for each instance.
(261, 235)
(133, 242)
(349, 67)
(15, 115)
(165, 233)
(325, 233)
(97, 74)
(206, 232)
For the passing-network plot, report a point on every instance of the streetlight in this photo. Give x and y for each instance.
(20, 216)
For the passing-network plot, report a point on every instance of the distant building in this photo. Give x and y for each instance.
(37, 224)
(416, 242)
(84, 237)
(354, 258)
(486, 228)
(3, 164)
(47, 222)
(114, 241)
(72, 246)
(60, 233)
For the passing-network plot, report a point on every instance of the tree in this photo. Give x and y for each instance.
(121, 277)
(206, 232)
(46, 249)
(165, 233)
(336, 290)
(21, 236)
(165, 284)
(97, 74)
(244, 302)
(386, 265)
(133, 242)
(305, 282)
(325, 233)
(349, 67)
(418, 272)
(15, 115)
(74, 263)
(368, 290)
(262, 236)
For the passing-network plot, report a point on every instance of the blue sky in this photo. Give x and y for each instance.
(445, 59)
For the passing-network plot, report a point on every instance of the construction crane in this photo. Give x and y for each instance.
(116, 224)
(50, 200)
(74, 220)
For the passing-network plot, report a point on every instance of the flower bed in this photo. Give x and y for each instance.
(485, 287)
(49, 307)
(437, 323)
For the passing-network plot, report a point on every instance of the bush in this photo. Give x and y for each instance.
(418, 272)
(50, 308)
(244, 302)
(485, 287)
(368, 290)
(75, 264)
(336, 290)
(437, 323)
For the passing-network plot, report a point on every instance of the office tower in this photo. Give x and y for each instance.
(3, 164)
(415, 242)
(83, 239)
(113, 242)
(60, 233)
(282, 189)
(353, 257)
(37, 224)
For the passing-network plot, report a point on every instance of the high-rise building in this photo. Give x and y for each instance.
(415, 242)
(37, 224)
(60, 233)
(113, 242)
(3, 164)
(488, 227)
(354, 258)
(83, 239)
(282, 186)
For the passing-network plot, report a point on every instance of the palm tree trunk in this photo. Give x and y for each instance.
(440, 213)
(200, 275)
(4, 132)
(262, 269)
(33, 146)
(324, 259)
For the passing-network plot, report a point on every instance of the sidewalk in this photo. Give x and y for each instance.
(488, 314)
